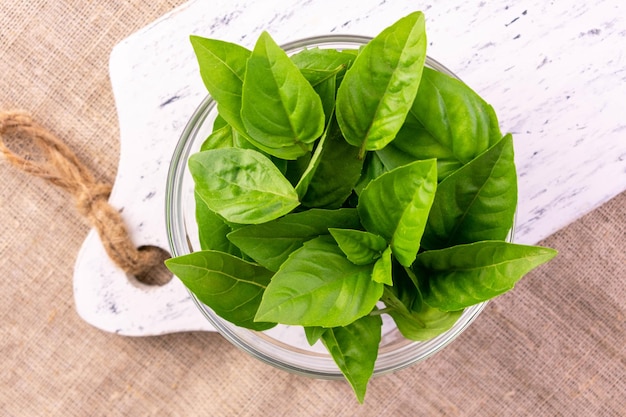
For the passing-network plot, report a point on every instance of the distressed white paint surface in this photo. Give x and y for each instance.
(554, 71)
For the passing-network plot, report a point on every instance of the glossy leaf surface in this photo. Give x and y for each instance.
(464, 275)
(477, 202)
(396, 205)
(415, 319)
(212, 229)
(382, 271)
(280, 109)
(337, 171)
(271, 243)
(327, 90)
(354, 349)
(231, 287)
(308, 172)
(318, 64)
(313, 334)
(447, 121)
(242, 185)
(223, 68)
(379, 88)
(359, 246)
(318, 286)
(219, 138)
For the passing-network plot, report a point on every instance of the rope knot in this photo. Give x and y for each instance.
(87, 198)
(61, 167)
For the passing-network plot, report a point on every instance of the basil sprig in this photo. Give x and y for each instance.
(338, 186)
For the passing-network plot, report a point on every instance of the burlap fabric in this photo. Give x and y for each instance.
(555, 346)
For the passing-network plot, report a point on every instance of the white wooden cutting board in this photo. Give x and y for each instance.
(554, 71)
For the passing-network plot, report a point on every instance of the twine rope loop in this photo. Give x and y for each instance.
(61, 167)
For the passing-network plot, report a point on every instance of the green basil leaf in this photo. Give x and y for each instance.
(318, 286)
(313, 334)
(354, 349)
(212, 229)
(392, 157)
(372, 168)
(415, 319)
(313, 162)
(225, 136)
(378, 90)
(315, 77)
(382, 271)
(360, 247)
(242, 185)
(280, 109)
(219, 122)
(230, 286)
(396, 205)
(464, 275)
(477, 202)
(271, 243)
(219, 138)
(222, 68)
(324, 69)
(315, 62)
(327, 90)
(426, 323)
(242, 142)
(448, 121)
(337, 171)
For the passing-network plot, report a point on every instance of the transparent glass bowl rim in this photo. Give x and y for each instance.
(255, 343)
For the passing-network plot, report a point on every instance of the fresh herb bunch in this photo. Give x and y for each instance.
(339, 185)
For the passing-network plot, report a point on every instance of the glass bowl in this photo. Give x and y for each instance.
(283, 346)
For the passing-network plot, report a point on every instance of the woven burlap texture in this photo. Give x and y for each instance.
(552, 347)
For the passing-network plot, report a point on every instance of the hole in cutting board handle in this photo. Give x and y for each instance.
(159, 274)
